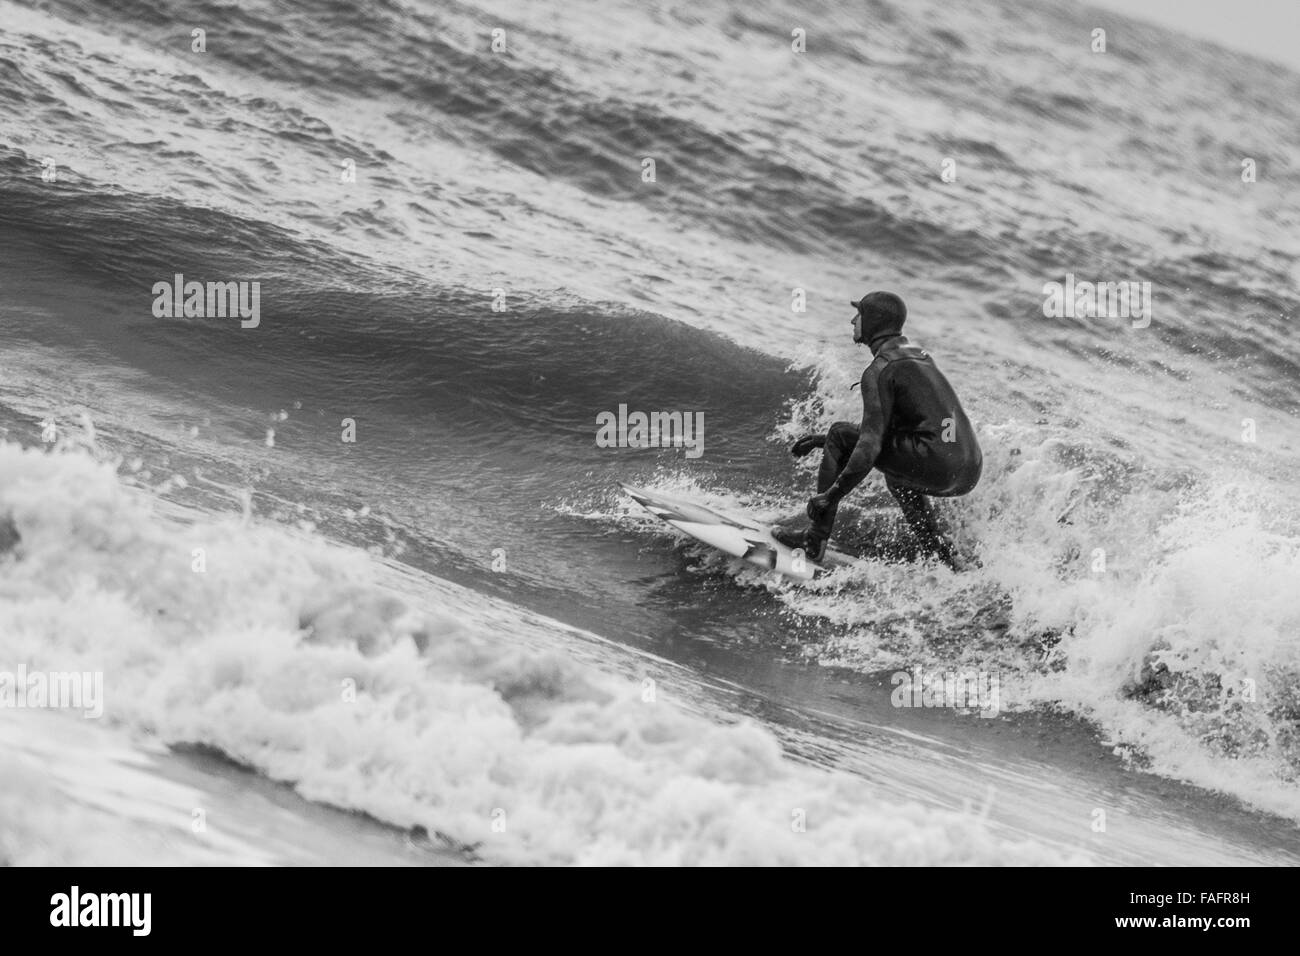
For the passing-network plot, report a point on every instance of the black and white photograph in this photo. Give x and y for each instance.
(644, 433)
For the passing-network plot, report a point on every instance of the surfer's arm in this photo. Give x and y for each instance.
(871, 437)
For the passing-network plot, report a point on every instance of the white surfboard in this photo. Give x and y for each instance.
(735, 535)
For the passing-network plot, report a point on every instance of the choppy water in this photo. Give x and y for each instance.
(521, 171)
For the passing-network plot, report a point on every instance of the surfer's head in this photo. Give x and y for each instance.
(879, 314)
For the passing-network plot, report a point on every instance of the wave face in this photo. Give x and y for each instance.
(460, 253)
(289, 655)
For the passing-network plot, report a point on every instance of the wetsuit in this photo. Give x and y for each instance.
(914, 432)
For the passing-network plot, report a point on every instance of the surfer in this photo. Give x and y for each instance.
(913, 431)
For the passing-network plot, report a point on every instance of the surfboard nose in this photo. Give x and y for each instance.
(637, 494)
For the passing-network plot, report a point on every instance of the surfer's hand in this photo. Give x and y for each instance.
(806, 444)
(818, 505)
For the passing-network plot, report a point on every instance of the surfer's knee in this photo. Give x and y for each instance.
(974, 472)
(966, 480)
(842, 435)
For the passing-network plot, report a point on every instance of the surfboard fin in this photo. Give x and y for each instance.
(761, 555)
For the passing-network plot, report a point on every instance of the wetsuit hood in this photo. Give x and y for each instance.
(883, 314)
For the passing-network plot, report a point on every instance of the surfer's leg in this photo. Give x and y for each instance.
(920, 518)
(840, 442)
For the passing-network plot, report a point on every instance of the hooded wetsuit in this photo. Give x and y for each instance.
(914, 431)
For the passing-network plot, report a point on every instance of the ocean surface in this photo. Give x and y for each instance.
(456, 625)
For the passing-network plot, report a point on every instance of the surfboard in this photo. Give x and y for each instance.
(736, 535)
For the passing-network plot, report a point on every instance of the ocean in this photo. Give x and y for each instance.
(359, 561)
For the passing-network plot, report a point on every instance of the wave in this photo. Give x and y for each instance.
(538, 120)
(1145, 648)
(1157, 603)
(296, 658)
